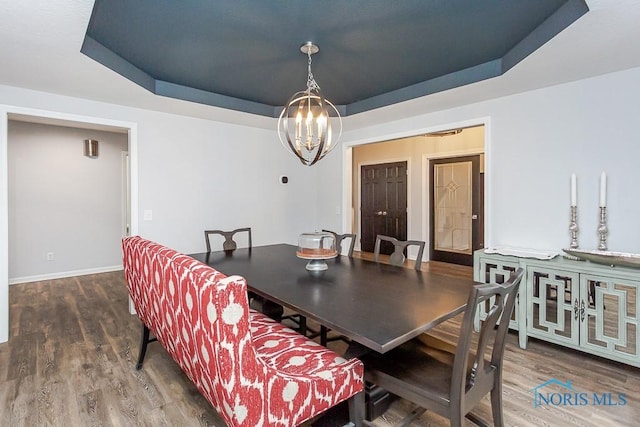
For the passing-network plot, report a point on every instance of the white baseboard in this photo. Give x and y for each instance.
(63, 274)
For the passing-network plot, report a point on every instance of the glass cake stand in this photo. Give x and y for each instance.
(317, 248)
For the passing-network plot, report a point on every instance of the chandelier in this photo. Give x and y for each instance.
(305, 123)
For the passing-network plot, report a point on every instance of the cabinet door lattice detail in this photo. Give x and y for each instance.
(497, 273)
(611, 323)
(550, 305)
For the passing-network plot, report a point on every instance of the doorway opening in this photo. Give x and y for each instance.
(63, 119)
(420, 151)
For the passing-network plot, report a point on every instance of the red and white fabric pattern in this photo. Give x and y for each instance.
(252, 369)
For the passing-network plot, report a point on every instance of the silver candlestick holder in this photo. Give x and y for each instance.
(573, 227)
(602, 229)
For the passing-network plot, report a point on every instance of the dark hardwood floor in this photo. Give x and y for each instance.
(70, 361)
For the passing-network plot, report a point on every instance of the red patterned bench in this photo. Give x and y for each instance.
(253, 370)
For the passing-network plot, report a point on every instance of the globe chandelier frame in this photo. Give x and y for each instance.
(306, 123)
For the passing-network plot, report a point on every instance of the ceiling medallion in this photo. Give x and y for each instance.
(306, 123)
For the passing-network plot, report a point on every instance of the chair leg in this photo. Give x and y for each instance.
(324, 331)
(496, 403)
(143, 345)
(357, 409)
(456, 417)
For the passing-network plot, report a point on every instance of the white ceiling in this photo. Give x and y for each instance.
(40, 44)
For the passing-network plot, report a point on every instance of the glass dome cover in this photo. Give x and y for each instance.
(316, 247)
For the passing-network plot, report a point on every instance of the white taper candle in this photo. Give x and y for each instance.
(603, 190)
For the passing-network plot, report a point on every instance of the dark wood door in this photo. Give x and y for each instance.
(384, 204)
(456, 219)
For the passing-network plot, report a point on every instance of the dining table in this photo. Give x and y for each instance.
(376, 305)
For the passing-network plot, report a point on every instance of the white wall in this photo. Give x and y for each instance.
(63, 202)
(195, 173)
(535, 140)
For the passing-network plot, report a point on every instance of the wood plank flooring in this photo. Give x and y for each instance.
(70, 361)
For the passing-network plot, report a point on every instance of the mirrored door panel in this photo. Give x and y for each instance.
(551, 300)
(488, 272)
(609, 312)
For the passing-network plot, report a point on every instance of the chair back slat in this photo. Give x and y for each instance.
(229, 243)
(340, 238)
(398, 257)
(490, 339)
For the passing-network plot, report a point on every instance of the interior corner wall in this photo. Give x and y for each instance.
(62, 203)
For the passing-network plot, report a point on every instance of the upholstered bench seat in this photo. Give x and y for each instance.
(289, 352)
(255, 371)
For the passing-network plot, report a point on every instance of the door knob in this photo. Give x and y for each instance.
(379, 213)
(474, 216)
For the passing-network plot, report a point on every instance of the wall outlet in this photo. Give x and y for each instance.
(50, 256)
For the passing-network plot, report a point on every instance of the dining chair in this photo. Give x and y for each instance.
(340, 238)
(397, 257)
(229, 244)
(451, 379)
(267, 307)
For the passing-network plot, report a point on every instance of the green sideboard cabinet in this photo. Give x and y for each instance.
(578, 304)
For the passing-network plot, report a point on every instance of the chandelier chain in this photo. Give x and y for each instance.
(311, 82)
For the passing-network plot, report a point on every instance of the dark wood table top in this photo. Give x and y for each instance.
(377, 305)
